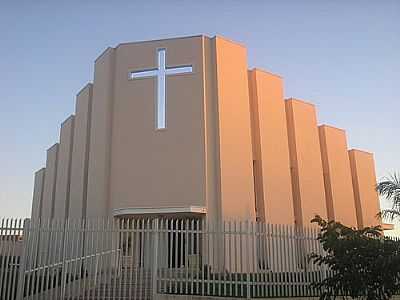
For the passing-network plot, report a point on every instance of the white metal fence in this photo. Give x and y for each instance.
(139, 258)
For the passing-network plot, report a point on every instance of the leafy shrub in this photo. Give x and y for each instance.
(363, 263)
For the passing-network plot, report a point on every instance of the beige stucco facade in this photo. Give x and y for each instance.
(364, 180)
(337, 175)
(80, 153)
(63, 178)
(151, 167)
(270, 148)
(49, 185)
(38, 193)
(232, 148)
(305, 161)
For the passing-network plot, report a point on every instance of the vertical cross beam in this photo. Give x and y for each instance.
(160, 73)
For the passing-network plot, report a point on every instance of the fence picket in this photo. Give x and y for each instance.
(4, 249)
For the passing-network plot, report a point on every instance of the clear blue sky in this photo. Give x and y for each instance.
(343, 56)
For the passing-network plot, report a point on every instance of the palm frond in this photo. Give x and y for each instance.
(389, 188)
(389, 214)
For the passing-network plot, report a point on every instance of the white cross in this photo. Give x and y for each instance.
(161, 73)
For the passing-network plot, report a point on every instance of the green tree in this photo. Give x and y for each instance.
(362, 264)
(389, 188)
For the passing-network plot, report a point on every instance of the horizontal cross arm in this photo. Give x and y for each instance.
(179, 70)
(143, 74)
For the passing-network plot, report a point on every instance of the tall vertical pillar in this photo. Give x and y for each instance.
(100, 136)
(270, 148)
(80, 154)
(235, 162)
(38, 194)
(364, 182)
(61, 203)
(49, 188)
(305, 159)
(210, 130)
(337, 175)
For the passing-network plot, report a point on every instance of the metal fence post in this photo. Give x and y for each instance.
(21, 275)
(248, 257)
(64, 257)
(155, 257)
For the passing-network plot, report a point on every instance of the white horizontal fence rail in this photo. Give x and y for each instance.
(137, 258)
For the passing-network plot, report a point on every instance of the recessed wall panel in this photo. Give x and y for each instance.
(234, 132)
(337, 175)
(305, 159)
(100, 137)
(364, 183)
(61, 204)
(270, 148)
(38, 194)
(49, 188)
(80, 154)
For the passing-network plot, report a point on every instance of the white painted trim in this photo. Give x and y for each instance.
(159, 210)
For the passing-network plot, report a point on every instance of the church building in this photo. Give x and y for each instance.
(182, 128)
